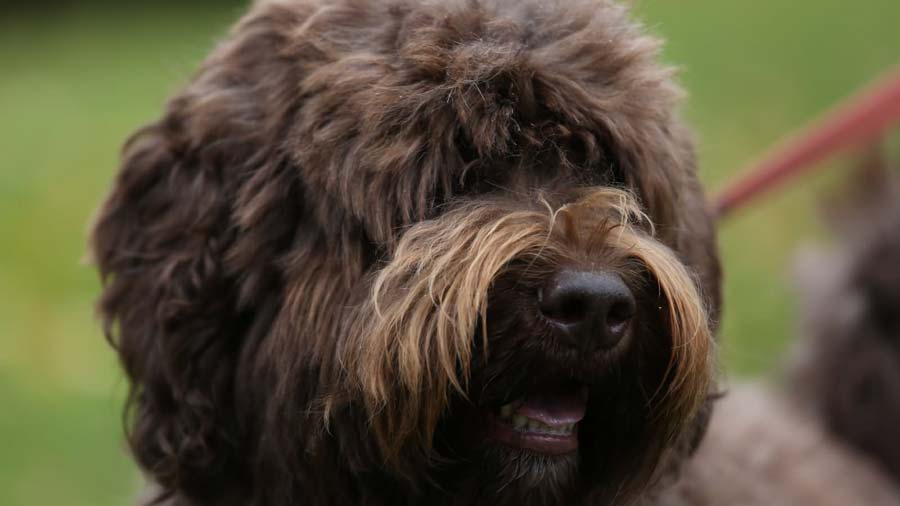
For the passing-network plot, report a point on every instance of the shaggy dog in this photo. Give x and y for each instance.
(415, 252)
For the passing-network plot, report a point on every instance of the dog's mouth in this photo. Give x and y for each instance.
(544, 421)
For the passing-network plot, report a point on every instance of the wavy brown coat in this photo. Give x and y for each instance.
(298, 256)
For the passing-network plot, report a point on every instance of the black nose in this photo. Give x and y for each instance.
(593, 310)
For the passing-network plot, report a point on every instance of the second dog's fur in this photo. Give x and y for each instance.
(829, 436)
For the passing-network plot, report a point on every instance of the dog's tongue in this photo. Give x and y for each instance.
(555, 408)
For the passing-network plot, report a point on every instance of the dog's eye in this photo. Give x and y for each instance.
(593, 160)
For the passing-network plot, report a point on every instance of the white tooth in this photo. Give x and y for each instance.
(519, 422)
(506, 411)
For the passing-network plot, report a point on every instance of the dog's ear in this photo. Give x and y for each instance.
(186, 244)
(168, 306)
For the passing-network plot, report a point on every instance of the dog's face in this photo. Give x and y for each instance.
(591, 359)
(420, 252)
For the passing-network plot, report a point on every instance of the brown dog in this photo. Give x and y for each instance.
(415, 252)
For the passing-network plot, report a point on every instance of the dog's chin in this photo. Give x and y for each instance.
(512, 475)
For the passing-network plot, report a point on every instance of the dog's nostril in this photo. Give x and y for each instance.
(564, 307)
(592, 309)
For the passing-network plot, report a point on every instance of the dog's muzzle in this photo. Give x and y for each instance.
(589, 312)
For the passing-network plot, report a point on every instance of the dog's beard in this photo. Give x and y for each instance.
(503, 476)
(445, 374)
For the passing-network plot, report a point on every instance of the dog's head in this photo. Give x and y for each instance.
(453, 251)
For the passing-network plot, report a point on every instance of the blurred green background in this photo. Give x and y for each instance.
(76, 78)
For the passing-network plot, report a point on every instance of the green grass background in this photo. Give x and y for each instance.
(74, 81)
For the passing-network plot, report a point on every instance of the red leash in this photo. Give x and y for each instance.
(859, 120)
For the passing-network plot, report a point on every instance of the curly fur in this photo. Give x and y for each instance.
(316, 262)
